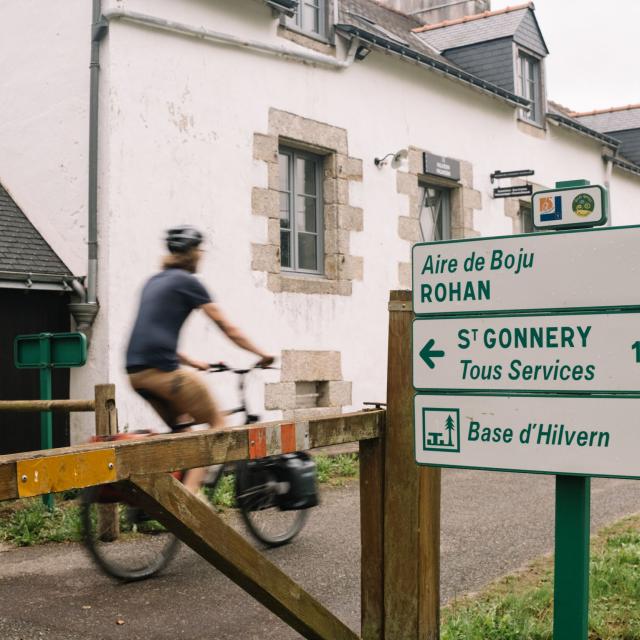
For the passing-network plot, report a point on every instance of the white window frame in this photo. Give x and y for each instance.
(530, 88)
(525, 213)
(297, 22)
(292, 153)
(439, 220)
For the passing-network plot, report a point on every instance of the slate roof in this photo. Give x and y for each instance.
(482, 27)
(563, 115)
(22, 249)
(393, 32)
(386, 23)
(614, 119)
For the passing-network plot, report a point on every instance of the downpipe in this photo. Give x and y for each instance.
(85, 311)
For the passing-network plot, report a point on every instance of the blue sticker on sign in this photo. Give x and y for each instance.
(550, 208)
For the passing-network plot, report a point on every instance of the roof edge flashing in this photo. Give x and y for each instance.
(448, 70)
(580, 128)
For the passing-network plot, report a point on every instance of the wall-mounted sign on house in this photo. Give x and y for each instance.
(441, 166)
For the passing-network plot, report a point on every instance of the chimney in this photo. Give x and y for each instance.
(432, 11)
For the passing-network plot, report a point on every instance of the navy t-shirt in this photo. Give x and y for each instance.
(167, 299)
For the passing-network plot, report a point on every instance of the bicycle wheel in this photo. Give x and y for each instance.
(143, 548)
(260, 511)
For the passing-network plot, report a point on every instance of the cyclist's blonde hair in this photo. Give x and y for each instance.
(187, 260)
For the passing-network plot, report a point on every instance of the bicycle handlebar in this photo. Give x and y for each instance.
(218, 367)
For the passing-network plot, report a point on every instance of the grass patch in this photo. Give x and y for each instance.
(27, 522)
(334, 470)
(224, 496)
(520, 607)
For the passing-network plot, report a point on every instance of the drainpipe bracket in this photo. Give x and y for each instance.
(99, 29)
(84, 313)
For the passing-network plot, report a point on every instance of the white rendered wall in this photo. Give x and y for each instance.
(44, 106)
(44, 127)
(178, 117)
(183, 117)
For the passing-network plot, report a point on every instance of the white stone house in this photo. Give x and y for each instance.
(260, 121)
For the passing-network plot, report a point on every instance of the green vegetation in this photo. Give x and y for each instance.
(27, 522)
(224, 495)
(334, 470)
(520, 607)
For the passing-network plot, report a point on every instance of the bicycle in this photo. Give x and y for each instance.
(149, 547)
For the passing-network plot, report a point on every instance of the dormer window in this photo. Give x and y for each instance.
(529, 85)
(310, 18)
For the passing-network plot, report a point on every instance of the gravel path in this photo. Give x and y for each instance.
(491, 524)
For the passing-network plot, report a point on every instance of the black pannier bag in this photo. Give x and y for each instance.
(292, 475)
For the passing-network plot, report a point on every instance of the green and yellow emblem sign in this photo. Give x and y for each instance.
(583, 205)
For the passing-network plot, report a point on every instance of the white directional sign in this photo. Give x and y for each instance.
(591, 436)
(579, 206)
(552, 353)
(574, 269)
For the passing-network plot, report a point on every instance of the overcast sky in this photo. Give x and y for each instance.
(594, 51)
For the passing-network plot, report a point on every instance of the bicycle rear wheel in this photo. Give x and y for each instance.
(260, 511)
(143, 548)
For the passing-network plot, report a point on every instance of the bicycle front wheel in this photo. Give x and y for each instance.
(141, 548)
(260, 511)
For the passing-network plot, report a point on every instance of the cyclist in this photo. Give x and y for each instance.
(153, 362)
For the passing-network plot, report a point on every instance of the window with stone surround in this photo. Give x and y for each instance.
(459, 197)
(301, 212)
(435, 213)
(307, 169)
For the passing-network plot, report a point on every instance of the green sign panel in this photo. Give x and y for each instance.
(42, 350)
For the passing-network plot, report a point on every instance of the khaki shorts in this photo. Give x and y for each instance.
(176, 394)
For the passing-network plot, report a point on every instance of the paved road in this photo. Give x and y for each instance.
(492, 524)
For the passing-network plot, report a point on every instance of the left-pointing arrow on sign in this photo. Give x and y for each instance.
(427, 353)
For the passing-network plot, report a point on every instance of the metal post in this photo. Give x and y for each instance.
(571, 581)
(46, 419)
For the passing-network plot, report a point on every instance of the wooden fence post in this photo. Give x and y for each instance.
(371, 538)
(411, 500)
(106, 425)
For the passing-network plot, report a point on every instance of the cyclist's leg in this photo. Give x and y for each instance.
(175, 393)
(193, 395)
(162, 390)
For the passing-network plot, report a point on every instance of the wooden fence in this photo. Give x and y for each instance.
(399, 502)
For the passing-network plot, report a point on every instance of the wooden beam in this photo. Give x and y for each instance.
(195, 449)
(107, 425)
(47, 405)
(105, 408)
(371, 538)
(411, 509)
(341, 429)
(196, 524)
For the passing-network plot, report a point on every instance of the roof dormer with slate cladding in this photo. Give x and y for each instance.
(621, 123)
(504, 47)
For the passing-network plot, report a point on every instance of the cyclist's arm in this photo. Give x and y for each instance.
(191, 362)
(233, 333)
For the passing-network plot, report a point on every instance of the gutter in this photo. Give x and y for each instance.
(40, 281)
(569, 123)
(447, 70)
(631, 167)
(228, 39)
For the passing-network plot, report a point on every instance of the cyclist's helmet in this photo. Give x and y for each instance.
(181, 239)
